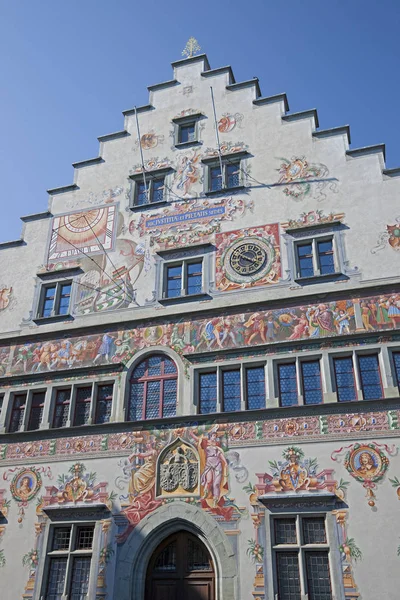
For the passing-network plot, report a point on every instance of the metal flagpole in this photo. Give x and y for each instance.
(217, 136)
(141, 155)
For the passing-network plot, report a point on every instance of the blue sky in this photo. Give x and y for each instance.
(70, 68)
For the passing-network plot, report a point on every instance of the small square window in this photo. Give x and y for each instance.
(228, 179)
(55, 299)
(315, 257)
(314, 530)
(285, 531)
(149, 190)
(187, 133)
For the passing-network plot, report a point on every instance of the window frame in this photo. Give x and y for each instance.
(95, 400)
(225, 187)
(375, 353)
(145, 379)
(350, 357)
(68, 403)
(315, 255)
(69, 554)
(396, 369)
(302, 362)
(184, 263)
(30, 407)
(187, 121)
(22, 410)
(55, 314)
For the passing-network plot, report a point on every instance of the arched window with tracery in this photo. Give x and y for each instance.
(153, 389)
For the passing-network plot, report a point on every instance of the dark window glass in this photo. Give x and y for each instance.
(104, 402)
(63, 302)
(141, 193)
(318, 579)
(370, 377)
(255, 382)
(215, 179)
(312, 385)
(305, 260)
(1, 402)
(287, 566)
(231, 390)
(396, 360)
(56, 578)
(194, 278)
(174, 281)
(288, 394)
(208, 392)
(153, 390)
(84, 538)
(82, 405)
(345, 382)
(325, 257)
(166, 560)
(187, 133)
(36, 411)
(157, 194)
(80, 577)
(61, 409)
(232, 175)
(285, 531)
(61, 538)
(314, 530)
(197, 557)
(18, 411)
(48, 301)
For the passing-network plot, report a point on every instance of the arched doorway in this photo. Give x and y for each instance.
(180, 568)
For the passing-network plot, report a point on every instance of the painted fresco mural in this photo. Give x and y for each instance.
(6, 297)
(367, 463)
(248, 257)
(107, 196)
(149, 140)
(188, 173)
(4, 508)
(83, 232)
(225, 148)
(391, 237)
(229, 331)
(188, 223)
(229, 121)
(301, 178)
(26, 484)
(313, 217)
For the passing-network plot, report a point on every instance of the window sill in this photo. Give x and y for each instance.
(150, 205)
(318, 278)
(53, 319)
(224, 191)
(186, 298)
(180, 145)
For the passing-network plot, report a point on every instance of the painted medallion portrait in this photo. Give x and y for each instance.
(366, 463)
(25, 485)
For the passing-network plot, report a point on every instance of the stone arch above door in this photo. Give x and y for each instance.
(136, 552)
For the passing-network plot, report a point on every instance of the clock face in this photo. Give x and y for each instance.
(248, 258)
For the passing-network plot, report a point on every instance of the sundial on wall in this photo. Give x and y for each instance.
(248, 259)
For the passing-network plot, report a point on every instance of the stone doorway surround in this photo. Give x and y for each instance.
(134, 555)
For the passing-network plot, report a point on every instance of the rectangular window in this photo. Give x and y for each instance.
(1, 403)
(104, 402)
(61, 408)
(396, 362)
(287, 379)
(255, 387)
(312, 384)
(303, 570)
(82, 405)
(370, 377)
(230, 177)
(187, 133)
(150, 193)
(68, 562)
(231, 395)
(184, 279)
(55, 299)
(36, 410)
(345, 381)
(315, 257)
(207, 392)
(17, 413)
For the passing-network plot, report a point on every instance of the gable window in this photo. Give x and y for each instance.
(150, 193)
(17, 412)
(153, 389)
(315, 257)
(55, 299)
(68, 562)
(187, 132)
(370, 376)
(300, 553)
(345, 380)
(36, 410)
(228, 179)
(61, 408)
(231, 388)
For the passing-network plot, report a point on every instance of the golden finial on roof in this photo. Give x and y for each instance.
(192, 47)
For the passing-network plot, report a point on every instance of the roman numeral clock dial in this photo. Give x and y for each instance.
(248, 259)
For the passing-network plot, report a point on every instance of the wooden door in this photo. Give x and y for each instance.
(180, 569)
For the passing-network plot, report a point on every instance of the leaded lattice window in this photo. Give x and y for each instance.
(370, 377)
(153, 390)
